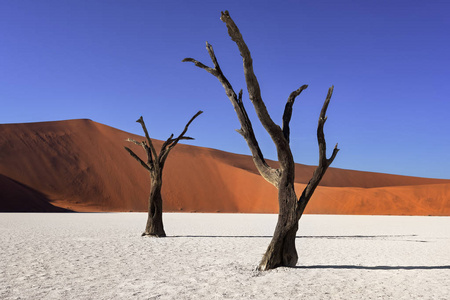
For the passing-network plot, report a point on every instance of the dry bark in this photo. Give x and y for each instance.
(155, 164)
(281, 250)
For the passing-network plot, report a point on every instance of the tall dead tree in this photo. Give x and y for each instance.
(281, 250)
(154, 165)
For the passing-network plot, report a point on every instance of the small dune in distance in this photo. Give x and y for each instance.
(81, 165)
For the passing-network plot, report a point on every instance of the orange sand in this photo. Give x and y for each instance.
(81, 165)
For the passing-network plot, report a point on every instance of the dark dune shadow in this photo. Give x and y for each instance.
(350, 267)
(18, 197)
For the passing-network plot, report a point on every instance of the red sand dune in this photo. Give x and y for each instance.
(81, 165)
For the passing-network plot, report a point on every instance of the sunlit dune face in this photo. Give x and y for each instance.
(81, 165)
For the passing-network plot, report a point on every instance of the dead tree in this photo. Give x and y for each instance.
(154, 165)
(281, 251)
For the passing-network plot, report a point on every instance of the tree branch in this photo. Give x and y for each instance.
(253, 88)
(288, 111)
(213, 57)
(134, 142)
(170, 143)
(187, 138)
(137, 158)
(270, 174)
(320, 135)
(166, 143)
(149, 141)
(146, 149)
(200, 65)
(324, 162)
(189, 123)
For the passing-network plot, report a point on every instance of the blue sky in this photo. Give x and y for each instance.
(112, 61)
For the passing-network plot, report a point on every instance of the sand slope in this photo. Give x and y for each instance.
(81, 165)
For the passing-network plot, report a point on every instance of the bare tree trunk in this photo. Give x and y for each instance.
(155, 225)
(281, 250)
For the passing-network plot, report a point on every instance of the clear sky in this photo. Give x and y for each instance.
(112, 61)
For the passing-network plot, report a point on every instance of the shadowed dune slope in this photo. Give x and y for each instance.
(81, 165)
(16, 197)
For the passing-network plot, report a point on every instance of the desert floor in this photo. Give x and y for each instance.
(213, 256)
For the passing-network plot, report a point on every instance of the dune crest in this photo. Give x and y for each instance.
(81, 165)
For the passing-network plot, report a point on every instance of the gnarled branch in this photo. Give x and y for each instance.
(246, 130)
(253, 88)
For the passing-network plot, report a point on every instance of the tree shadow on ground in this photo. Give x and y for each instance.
(368, 237)
(350, 267)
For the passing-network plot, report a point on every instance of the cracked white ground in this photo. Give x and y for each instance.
(213, 256)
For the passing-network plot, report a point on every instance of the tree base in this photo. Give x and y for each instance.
(154, 234)
(272, 261)
(281, 251)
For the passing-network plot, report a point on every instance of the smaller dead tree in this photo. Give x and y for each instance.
(154, 165)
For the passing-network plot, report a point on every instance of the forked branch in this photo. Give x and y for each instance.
(200, 65)
(171, 142)
(181, 136)
(324, 162)
(147, 150)
(149, 141)
(155, 162)
(166, 143)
